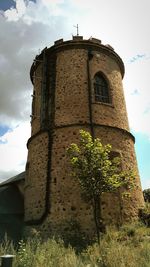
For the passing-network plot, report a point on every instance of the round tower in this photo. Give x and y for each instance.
(77, 85)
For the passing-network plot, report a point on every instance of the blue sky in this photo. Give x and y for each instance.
(7, 4)
(28, 26)
(142, 147)
(4, 4)
(3, 129)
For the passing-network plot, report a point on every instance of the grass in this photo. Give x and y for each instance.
(128, 247)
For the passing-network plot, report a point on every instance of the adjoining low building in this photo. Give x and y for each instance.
(12, 207)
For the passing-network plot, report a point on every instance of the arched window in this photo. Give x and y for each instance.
(101, 90)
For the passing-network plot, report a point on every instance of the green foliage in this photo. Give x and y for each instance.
(6, 246)
(72, 235)
(117, 248)
(144, 214)
(96, 171)
(146, 194)
(23, 254)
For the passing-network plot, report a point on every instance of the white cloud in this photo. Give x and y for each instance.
(32, 26)
(24, 31)
(136, 85)
(16, 13)
(145, 184)
(13, 150)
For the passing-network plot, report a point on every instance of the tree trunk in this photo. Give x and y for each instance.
(120, 206)
(97, 217)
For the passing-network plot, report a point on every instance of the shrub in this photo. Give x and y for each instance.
(146, 194)
(144, 214)
(128, 247)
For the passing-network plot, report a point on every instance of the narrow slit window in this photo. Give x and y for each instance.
(101, 90)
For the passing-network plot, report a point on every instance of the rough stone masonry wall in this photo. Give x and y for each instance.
(72, 114)
(65, 197)
(126, 208)
(71, 109)
(113, 114)
(36, 104)
(36, 177)
(71, 88)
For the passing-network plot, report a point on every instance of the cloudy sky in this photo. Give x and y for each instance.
(27, 26)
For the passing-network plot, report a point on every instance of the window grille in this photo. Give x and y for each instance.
(101, 89)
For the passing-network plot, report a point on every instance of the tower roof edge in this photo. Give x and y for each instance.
(78, 42)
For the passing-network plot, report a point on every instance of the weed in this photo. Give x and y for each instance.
(128, 247)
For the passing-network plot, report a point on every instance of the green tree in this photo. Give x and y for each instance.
(146, 194)
(97, 172)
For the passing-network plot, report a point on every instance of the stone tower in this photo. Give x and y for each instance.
(77, 85)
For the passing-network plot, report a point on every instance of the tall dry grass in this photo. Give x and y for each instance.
(128, 247)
